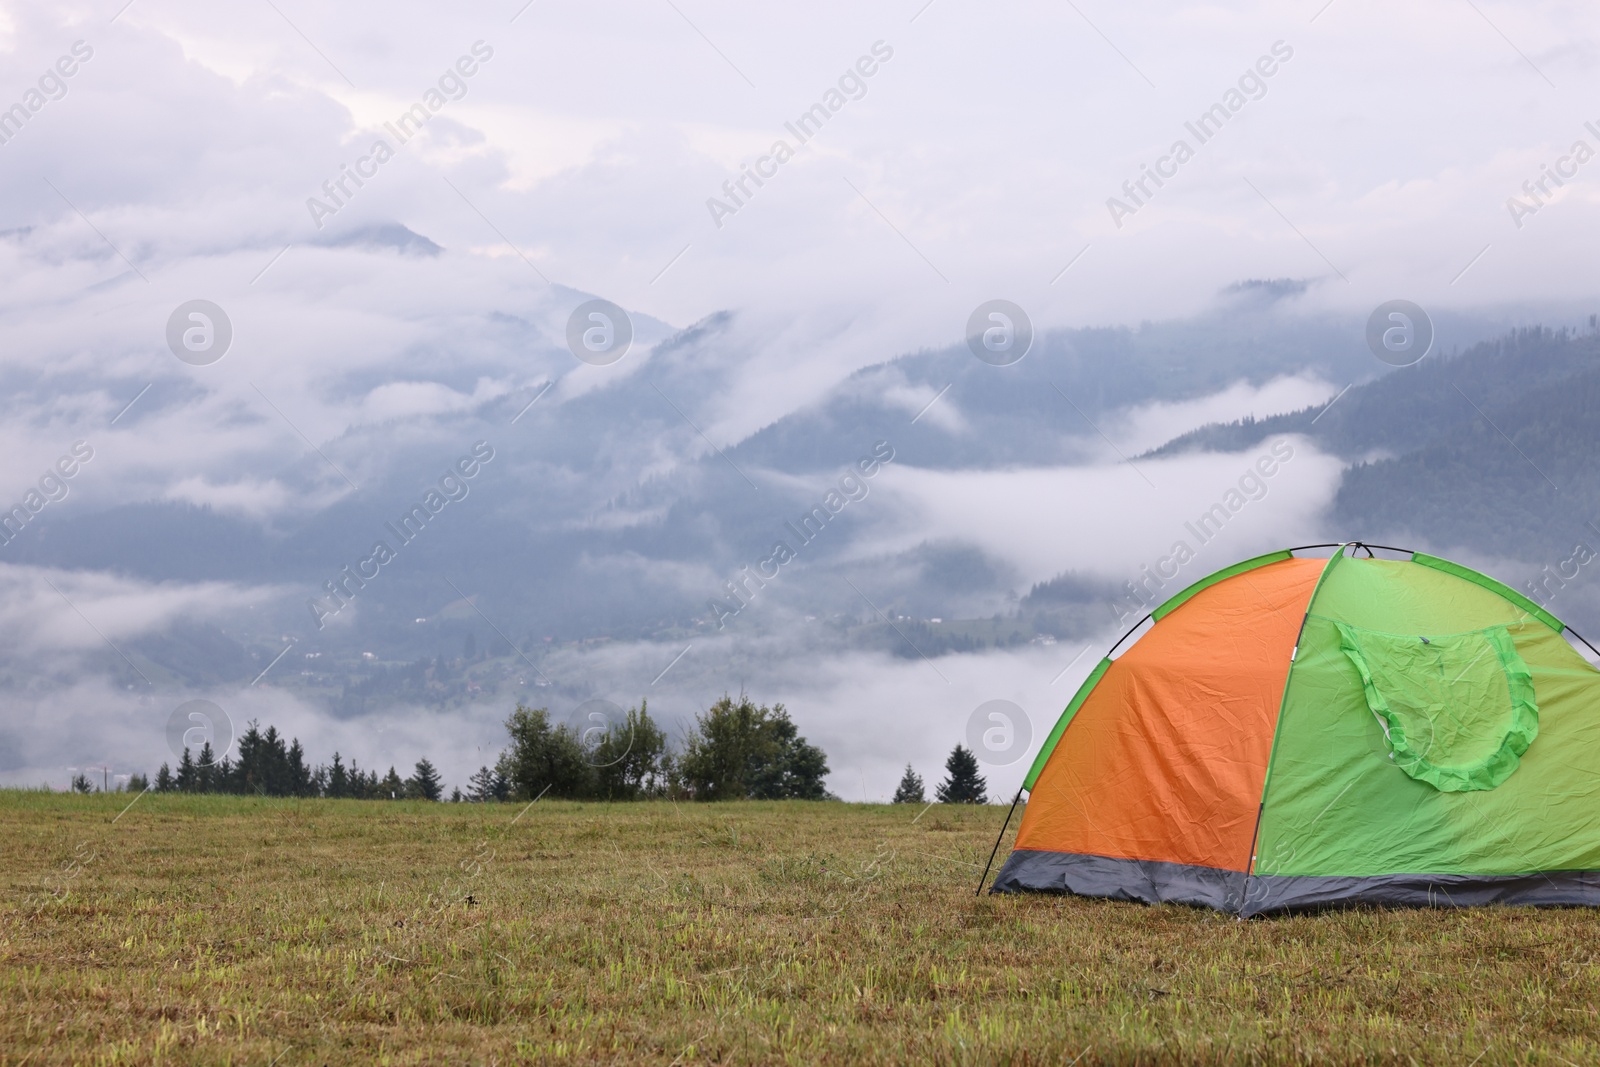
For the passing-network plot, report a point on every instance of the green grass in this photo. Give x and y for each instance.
(209, 930)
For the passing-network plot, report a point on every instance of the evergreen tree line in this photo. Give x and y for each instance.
(266, 766)
(962, 784)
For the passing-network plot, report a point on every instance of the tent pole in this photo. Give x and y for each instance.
(985, 876)
(1586, 644)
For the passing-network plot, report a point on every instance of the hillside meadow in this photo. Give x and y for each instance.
(233, 930)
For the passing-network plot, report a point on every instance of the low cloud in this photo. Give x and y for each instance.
(249, 497)
(46, 612)
(1105, 520)
(1151, 425)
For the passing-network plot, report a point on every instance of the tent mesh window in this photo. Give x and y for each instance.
(1457, 710)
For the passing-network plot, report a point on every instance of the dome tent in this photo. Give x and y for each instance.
(1295, 733)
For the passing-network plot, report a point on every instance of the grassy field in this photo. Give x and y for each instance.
(211, 930)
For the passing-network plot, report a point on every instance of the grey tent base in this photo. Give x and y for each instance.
(1155, 882)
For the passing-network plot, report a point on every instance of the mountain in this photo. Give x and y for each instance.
(608, 506)
(1490, 451)
(606, 512)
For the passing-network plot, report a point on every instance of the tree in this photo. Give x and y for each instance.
(424, 782)
(627, 759)
(392, 788)
(363, 784)
(796, 769)
(186, 782)
(248, 776)
(488, 785)
(138, 783)
(206, 770)
(910, 789)
(81, 783)
(543, 758)
(338, 779)
(164, 782)
(455, 795)
(741, 750)
(964, 785)
(273, 764)
(300, 776)
(728, 744)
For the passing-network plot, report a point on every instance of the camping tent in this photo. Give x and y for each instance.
(1295, 733)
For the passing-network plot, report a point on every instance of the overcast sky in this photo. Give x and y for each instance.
(978, 162)
(589, 152)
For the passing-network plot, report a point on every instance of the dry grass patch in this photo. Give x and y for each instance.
(204, 930)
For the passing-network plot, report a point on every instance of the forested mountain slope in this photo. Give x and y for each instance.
(1493, 450)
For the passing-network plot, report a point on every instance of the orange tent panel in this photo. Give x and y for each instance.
(1166, 759)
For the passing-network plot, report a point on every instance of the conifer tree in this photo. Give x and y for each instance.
(338, 779)
(245, 776)
(424, 781)
(299, 774)
(358, 783)
(910, 790)
(188, 780)
(391, 788)
(205, 770)
(164, 782)
(274, 764)
(964, 785)
(488, 784)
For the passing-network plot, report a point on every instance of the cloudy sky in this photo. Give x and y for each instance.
(195, 152)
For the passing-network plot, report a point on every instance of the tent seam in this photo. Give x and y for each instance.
(1283, 700)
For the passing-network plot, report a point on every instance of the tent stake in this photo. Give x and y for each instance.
(985, 876)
